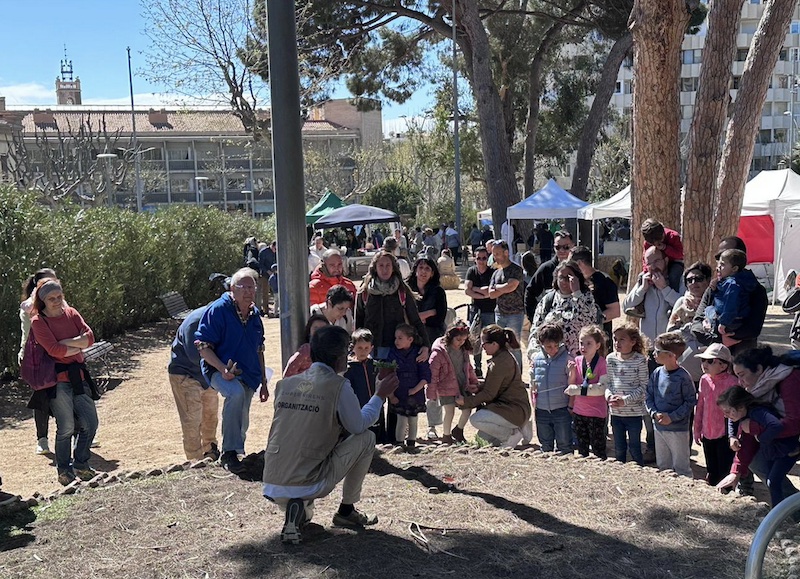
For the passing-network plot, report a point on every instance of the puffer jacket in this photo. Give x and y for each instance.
(443, 375)
(549, 379)
(321, 282)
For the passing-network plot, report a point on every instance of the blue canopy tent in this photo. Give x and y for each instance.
(355, 214)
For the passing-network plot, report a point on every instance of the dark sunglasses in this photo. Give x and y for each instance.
(564, 247)
(695, 279)
(481, 259)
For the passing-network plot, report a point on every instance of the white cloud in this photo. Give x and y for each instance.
(28, 93)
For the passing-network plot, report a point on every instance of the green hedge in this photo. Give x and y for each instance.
(114, 263)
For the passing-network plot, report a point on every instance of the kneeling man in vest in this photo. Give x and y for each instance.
(320, 436)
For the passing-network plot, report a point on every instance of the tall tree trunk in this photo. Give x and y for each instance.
(740, 137)
(708, 124)
(535, 94)
(603, 93)
(500, 178)
(658, 27)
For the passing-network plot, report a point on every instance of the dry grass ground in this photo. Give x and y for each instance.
(512, 514)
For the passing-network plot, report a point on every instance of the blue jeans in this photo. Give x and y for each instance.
(554, 426)
(67, 407)
(763, 468)
(627, 428)
(487, 318)
(513, 321)
(235, 411)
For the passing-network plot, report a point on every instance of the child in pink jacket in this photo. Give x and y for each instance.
(451, 375)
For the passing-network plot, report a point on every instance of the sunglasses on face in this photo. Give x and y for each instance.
(563, 247)
(481, 259)
(695, 279)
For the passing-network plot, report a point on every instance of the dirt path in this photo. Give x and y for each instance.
(139, 425)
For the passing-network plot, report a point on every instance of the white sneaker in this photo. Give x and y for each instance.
(513, 440)
(42, 447)
(527, 432)
(432, 434)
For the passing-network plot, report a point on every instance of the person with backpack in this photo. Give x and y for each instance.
(569, 304)
(747, 333)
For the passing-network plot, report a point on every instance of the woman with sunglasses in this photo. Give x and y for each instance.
(696, 278)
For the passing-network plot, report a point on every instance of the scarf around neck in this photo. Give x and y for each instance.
(378, 287)
(765, 388)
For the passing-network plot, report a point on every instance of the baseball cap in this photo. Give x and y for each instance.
(716, 351)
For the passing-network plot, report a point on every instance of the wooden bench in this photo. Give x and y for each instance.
(97, 352)
(176, 306)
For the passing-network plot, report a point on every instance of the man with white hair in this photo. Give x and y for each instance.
(326, 275)
(230, 339)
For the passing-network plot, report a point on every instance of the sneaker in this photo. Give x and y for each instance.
(8, 498)
(447, 439)
(514, 439)
(354, 519)
(432, 435)
(212, 453)
(527, 432)
(294, 521)
(458, 435)
(65, 478)
(42, 447)
(84, 472)
(230, 461)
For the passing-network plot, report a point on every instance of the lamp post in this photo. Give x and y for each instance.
(456, 142)
(107, 157)
(247, 192)
(199, 181)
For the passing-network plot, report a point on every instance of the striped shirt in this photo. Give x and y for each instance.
(627, 378)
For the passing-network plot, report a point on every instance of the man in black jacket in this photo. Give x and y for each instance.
(748, 333)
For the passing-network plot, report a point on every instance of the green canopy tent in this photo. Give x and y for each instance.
(328, 203)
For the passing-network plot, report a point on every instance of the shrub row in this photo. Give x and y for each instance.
(114, 263)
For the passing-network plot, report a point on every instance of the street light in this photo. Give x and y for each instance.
(107, 157)
(200, 181)
(247, 192)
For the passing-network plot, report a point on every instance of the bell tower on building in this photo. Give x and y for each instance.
(68, 90)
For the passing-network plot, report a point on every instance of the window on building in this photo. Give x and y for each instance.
(783, 55)
(794, 27)
(689, 84)
(778, 108)
(179, 154)
(686, 111)
(748, 27)
(758, 164)
(764, 136)
(779, 136)
(794, 54)
(766, 111)
(179, 185)
(741, 54)
(735, 82)
(618, 88)
(628, 62)
(783, 81)
(628, 87)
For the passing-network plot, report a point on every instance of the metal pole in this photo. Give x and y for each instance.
(287, 163)
(766, 532)
(456, 142)
(137, 189)
(792, 80)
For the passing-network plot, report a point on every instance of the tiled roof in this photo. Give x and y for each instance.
(178, 122)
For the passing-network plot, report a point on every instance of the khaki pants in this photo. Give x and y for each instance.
(349, 462)
(198, 409)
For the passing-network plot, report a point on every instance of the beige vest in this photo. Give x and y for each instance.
(305, 427)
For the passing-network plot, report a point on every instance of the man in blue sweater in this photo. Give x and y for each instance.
(230, 339)
(198, 404)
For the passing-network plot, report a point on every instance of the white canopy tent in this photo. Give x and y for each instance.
(772, 193)
(485, 216)
(787, 258)
(549, 202)
(618, 205)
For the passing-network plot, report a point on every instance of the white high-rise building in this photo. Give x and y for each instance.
(779, 116)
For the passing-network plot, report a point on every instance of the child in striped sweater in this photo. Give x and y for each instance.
(627, 371)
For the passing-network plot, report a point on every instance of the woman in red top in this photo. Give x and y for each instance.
(61, 331)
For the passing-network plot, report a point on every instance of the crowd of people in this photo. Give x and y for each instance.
(375, 357)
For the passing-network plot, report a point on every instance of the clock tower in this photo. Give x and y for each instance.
(68, 90)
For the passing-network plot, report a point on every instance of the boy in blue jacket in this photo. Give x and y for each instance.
(669, 401)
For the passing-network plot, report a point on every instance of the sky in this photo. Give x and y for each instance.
(96, 34)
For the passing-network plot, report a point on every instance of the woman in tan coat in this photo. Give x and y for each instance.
(504, 411)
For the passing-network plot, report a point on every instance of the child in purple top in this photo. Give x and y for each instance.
(409, 398)
(587, 389)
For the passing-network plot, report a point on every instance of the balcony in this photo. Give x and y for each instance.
(181, 165)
